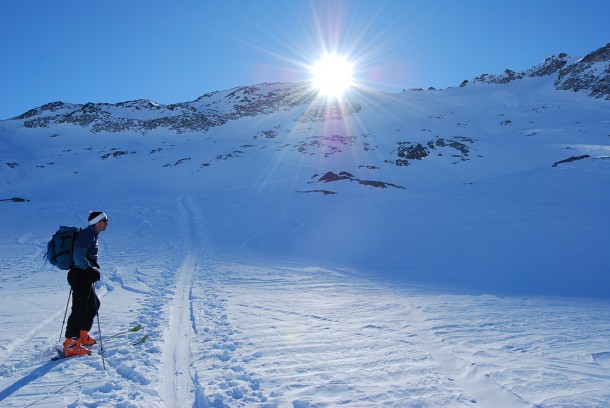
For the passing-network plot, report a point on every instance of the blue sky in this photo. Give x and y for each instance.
(174, 51)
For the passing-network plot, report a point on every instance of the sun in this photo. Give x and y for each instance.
(332, 75)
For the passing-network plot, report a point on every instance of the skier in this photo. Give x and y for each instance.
(81, 277)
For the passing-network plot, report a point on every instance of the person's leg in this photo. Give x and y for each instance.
(81, 294)
(92, 307)
(81, 297)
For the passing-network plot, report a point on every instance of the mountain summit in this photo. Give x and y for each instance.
(590, 75)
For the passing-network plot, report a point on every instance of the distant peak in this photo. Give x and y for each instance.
(590, 74)
(549, 66)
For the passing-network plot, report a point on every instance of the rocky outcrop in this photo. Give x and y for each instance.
(590, 75)
(407, 151)
(571, 159)
(344, 175)
(209, 110)
(549, 66)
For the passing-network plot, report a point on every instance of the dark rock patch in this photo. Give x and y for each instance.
(571, 159)
(325, 192)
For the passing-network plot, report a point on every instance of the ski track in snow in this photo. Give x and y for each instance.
(177, 382)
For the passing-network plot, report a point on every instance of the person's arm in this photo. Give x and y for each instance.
(81, 247)
(80, 260)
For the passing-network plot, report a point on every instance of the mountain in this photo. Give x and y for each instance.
(590, 75)
(513, 140)
(210, 110)
(425, 248)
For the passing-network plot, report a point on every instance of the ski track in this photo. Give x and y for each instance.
(177, 383)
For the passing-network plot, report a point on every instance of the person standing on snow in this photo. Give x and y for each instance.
(81, 277)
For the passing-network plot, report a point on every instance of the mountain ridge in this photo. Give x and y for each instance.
(589, 75)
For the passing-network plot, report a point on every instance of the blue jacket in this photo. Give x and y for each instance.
(85, 248)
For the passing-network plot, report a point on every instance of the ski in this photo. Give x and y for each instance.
(60, 350)
(139, 341)
(134, 329)
(61, 356)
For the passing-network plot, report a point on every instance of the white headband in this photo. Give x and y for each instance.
(98, 219)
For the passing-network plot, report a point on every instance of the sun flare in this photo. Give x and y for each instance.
(332, 75)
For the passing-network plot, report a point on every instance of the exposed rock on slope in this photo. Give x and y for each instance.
(213, 109)
(590, 74)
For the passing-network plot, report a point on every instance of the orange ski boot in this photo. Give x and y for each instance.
(72, 348)
(85, 339)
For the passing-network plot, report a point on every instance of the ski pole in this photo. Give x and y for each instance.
(101, 343)
(65, 314)
(99, 329)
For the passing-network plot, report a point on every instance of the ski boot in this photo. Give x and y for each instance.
(85, 339)
(72, 348)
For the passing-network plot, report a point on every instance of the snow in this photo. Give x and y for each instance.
(482, 283)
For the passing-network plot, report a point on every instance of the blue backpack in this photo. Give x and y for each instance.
(60, 249)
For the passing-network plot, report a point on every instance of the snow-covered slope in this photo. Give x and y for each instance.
(427, 248)
(458, 180)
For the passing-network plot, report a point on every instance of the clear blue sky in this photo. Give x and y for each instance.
(174, 51)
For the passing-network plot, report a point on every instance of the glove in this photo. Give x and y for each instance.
(94, 275)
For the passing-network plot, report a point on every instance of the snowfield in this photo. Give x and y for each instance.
(482, 282)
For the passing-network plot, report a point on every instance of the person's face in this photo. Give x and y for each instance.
(101, 225)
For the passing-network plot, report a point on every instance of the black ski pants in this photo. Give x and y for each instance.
(85, 302)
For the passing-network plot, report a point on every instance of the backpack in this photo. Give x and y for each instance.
(60, 249)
